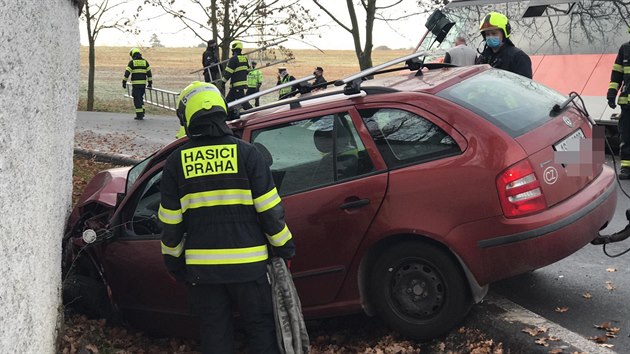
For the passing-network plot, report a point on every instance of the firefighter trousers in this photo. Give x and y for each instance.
(251, 91)
(236, 93)
(624, 133)
(137, 92)
(214, 303)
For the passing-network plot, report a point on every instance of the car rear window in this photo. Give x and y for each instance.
(512, 102)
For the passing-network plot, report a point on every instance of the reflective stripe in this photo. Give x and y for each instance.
(128, 69)
(139, 71)
(625, 163)
(267, 201)
(171, 217)
(281, 237)
(239, 83)
(230, 70)
(618, 68)
(216, 198)
(626, 69)
(241, 68)
(622, 100)
(138, 82)
(173, 251)
(197, 90)
(614, 86)
(139, 110)
(226, 256)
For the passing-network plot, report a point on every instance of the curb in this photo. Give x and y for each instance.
(504, 321)
(100, 156)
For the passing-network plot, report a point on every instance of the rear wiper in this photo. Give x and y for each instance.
(557, 108)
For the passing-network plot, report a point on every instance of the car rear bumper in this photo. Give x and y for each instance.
(498, 247)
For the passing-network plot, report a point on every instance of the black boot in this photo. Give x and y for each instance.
(624, 173)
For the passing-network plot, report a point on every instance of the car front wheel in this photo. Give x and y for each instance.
(419, 290)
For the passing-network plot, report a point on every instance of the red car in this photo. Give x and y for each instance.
(407, 195)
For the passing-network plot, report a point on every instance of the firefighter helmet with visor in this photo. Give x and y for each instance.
(198, 105)
(237, 45)
(495, 20)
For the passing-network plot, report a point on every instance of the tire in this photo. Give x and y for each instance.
(419, 290)
(87, 296)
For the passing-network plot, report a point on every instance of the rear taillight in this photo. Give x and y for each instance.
(519, 190)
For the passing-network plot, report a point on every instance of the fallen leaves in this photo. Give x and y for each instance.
(611, 332)
(610, 286)
(561, 309)
(611, 270)
(534, 331)
(587, 295)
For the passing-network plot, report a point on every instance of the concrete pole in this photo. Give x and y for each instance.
(39, 78)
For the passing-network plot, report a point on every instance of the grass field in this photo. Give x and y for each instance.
(171, 69)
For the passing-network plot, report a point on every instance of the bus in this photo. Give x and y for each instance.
(572, 44)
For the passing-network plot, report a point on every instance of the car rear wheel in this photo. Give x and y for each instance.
(419, 290)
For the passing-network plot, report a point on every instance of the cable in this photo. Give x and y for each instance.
(615, 255)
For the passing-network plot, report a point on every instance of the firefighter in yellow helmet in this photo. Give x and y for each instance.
(140, 71)
(221, 213)
(619, 85)
(236, 72)
(499, 50)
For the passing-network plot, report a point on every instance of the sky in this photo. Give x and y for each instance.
(400, 34)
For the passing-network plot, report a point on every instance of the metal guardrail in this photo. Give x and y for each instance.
(158, 97)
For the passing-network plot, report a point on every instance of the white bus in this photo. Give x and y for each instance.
(572, 44)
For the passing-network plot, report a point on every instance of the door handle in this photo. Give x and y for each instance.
(355, 204)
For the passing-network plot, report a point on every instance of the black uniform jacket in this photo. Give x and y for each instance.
(507, 58)
(221, 212)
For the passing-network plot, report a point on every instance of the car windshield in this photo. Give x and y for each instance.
(512, 102)
(544, 26)
(135, 171)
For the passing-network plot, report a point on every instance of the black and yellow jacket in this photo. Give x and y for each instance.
(237, 70)
(139, 70)
(620, 76)
(221, 212)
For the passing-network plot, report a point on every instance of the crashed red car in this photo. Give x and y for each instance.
(407, 195)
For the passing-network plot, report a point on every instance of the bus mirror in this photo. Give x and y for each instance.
(439, 25)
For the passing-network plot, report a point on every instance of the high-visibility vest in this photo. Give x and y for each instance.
(254, 78)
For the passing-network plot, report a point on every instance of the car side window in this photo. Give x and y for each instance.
(404, 137)
(313, 152)
(144, 220)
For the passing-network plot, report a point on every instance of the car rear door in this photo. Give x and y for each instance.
(331, 189)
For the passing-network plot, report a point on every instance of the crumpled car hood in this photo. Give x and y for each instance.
(104, 187)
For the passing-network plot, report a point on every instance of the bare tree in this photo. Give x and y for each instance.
(251, 21)
(101, 15)
(388, 11)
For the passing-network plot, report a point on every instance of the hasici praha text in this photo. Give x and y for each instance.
(209, 160)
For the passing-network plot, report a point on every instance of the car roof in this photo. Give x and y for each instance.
(429, 82)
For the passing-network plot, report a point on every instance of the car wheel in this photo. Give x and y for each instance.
(419, 290)
(86, 295)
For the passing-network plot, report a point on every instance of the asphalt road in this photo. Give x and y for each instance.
(584, 285)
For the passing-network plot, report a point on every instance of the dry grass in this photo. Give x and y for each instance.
(171, 69)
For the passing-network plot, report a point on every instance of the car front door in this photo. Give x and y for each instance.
(331, 191)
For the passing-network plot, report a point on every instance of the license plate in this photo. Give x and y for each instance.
(569, 144)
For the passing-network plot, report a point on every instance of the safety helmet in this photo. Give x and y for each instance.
(495, 20)
(237, 45)
(198, 105)
(134, 51)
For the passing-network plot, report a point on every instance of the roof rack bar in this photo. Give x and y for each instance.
(374, 69)
(240, 101)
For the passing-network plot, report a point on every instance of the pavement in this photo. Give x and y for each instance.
(118, 138)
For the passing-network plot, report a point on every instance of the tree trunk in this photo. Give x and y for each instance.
(91, 66)
(227, 38)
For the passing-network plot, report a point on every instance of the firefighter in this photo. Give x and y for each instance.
(254, 82)
(499, 51)
(222, 216)
(140, 72)
(619, 82)
(283, 78)
(208, 58)
(236, 72)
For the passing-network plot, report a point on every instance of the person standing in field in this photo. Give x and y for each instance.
(208, 58)
(254, 82)
(140, 71)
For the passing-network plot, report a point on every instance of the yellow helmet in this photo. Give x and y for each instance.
(134, 51)
(495, 20)
(237, 45)
(199, 105)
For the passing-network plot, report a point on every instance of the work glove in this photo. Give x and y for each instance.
(150, 84)
(124, 83)
(611, 102)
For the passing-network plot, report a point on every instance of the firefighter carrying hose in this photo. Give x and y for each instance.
(619, 84)
(141, 77)
(222, 216)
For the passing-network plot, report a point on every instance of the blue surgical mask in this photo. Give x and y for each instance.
(493, 42)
